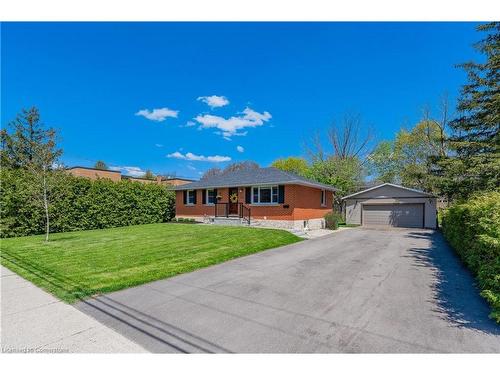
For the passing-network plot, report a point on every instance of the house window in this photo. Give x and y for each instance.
(323, 197)
(191, 196)
(210, 196)
(265, 195)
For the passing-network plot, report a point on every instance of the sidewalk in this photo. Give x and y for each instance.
(35, 321)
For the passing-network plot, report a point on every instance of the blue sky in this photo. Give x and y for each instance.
(183, 97)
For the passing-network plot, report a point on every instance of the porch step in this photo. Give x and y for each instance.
(228, 221)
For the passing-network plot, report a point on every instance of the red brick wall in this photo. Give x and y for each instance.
(308, 203)
(304, 203)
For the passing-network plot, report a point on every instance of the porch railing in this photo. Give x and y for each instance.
(245, 213)
(221, 209)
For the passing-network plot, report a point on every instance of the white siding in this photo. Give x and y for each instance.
(388, 195)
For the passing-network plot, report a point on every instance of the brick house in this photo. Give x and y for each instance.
(94, 174)
(265, 196)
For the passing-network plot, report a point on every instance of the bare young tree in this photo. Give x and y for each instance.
(349, 139)
(242, 165)
(233, 167)
(31, 146)
(211, 172)
(437, 129)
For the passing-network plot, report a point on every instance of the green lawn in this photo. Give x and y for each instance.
(76, 265)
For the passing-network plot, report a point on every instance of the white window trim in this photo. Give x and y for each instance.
(187, 198)
(265, 187)
(323, 196)
(206, 198)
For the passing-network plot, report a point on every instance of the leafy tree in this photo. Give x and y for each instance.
(384, 164)
(410, 158)
(149, 175)
(101, 165)
(476, 139)
(344, 174)
(413, 150)
(31, 146)
(292, 164)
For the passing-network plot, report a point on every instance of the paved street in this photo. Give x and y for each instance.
(357, 290)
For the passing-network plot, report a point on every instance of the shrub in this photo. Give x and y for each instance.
(332, 220)
(473, 230)
(184, 220)
(79, 204)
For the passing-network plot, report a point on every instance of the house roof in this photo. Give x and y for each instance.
(387, 184)
(257, 176)
(167, 178)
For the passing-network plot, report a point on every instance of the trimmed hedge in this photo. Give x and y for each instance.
(79, 204)
(473, 230)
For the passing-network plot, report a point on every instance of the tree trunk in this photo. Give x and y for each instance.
(46, 207)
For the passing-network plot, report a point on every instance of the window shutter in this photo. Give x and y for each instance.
(281, 194)
(215, 195)
(195, 193)
(204, 196)
(184, 196)
(248, 195)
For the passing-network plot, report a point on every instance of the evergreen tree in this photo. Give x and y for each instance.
(475, 138)
(101, 165)
(28, 141)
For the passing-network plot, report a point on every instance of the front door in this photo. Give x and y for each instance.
(233, 201)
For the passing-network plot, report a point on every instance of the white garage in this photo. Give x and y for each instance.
(390, 205)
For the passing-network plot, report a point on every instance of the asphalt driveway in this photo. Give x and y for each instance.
(358, 290)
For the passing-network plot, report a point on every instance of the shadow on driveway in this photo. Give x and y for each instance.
(106, 309)
(455, 291)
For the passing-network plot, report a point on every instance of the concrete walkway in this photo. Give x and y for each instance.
(35, 321)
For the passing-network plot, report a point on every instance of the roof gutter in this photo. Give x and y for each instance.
(303, 183)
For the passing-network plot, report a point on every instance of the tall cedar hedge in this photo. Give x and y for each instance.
(473, 230)
(79, 203)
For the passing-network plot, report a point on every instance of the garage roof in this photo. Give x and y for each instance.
(388, 184)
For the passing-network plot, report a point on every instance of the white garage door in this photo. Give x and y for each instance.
(394, 215)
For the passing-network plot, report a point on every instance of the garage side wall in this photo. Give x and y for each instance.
(353, 208)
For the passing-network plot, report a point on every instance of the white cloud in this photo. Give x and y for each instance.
(191, 167)
(158, 114)
(240, 149)
(233, 126)
(192, 157)
(159, 145)
(129, 171)
(189, 124)
(214, 101)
